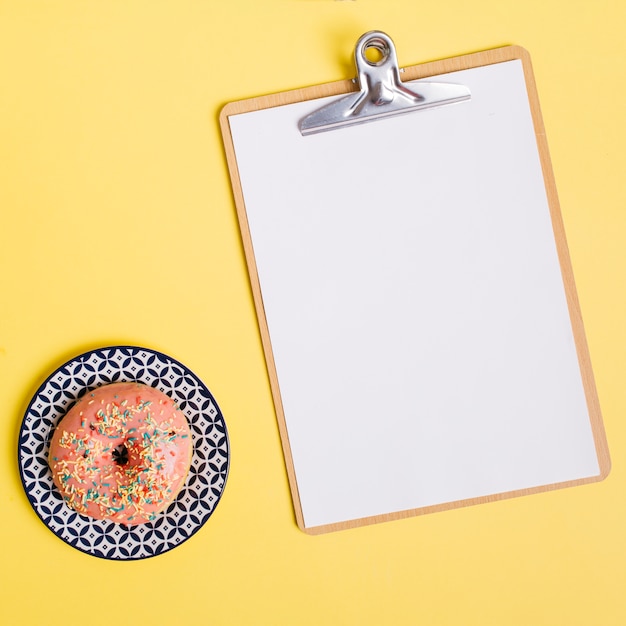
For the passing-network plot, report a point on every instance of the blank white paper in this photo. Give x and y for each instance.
(415, 303)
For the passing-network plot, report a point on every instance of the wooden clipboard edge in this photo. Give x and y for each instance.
(567, 272)
(447, 506)
(414, 72)
(255, 286)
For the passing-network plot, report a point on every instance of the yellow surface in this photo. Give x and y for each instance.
(117, 225)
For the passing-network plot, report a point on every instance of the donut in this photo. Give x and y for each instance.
(121, 453)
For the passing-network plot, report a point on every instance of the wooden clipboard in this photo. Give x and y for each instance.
(418, 313)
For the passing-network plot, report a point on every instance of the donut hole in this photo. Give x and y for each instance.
(120, 454)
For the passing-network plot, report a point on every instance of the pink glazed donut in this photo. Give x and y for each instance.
(122, 453)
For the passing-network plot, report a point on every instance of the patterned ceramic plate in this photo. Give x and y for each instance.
(209, 466)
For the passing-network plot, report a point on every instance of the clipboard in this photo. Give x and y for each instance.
(413, 288)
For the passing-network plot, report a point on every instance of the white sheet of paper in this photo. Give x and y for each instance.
(415, 303)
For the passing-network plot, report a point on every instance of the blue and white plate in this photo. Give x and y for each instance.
(209, 466)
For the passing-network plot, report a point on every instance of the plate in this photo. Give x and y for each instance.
(209, 465)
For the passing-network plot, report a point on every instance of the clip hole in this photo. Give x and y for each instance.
(375, 51)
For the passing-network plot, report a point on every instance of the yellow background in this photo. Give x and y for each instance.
(117, 225)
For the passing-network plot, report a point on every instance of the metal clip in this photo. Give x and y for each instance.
(382, 93)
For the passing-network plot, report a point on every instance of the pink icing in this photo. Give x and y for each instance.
(121, 453)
